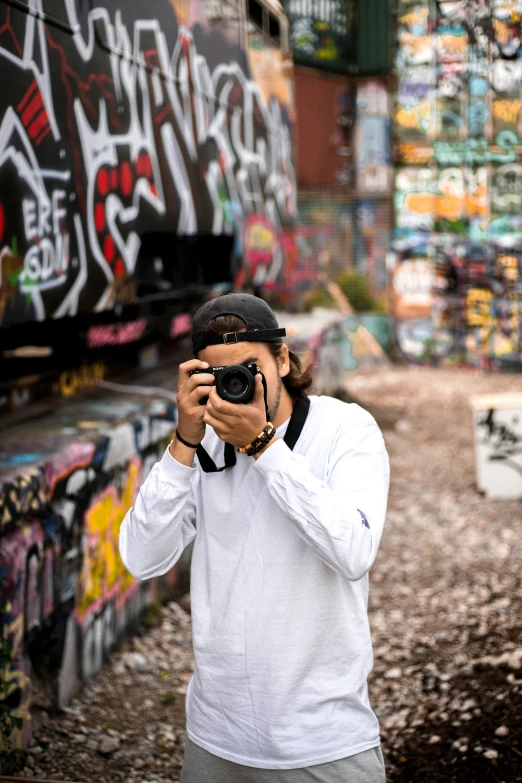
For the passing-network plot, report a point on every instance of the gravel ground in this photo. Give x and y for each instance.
(445, 608)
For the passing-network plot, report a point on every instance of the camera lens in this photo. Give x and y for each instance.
(235, 384)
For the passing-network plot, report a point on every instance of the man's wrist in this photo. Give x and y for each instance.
(181, 453)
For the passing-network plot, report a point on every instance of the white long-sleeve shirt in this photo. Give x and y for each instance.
(279, 586)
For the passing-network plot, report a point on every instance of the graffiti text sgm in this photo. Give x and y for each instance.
(48, 256)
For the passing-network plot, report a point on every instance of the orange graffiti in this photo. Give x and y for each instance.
(456, 45)
(420, 203)
(506, 110)
(415, 118)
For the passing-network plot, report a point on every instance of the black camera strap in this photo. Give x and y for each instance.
(297, 421)
(293, 431)
(207, 463)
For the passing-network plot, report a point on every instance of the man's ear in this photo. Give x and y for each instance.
(284, 361)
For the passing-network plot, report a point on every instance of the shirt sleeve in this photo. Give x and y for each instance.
(341, 517)
(159, 526)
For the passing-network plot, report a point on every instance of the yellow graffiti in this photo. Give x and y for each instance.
(73, 381)
(259, 238)
(15, 681)
(506, 110)
(478, 307)
(415, 118)
(417, 17)
(509, 267)
(103, 573)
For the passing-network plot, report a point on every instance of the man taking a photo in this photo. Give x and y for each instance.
(284, 496)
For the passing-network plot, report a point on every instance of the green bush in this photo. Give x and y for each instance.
(318, 298)
(357, 290)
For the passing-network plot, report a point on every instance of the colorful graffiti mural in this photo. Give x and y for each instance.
(321, 33)
(458, 121)
(458, 186)
(67, 598)
(120, 122)
(459, 305)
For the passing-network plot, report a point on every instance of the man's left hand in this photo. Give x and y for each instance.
(235, 423)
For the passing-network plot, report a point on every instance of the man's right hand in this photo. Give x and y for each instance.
(191, 389)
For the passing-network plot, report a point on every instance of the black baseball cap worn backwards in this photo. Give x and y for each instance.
(261, 323)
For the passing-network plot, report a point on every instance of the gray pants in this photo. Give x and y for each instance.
(200, 766)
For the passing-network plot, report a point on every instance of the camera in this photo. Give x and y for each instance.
(234, 383)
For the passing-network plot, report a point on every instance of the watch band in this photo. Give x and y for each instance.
(185, 442)
(266, 435)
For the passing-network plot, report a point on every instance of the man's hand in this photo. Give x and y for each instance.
(233, 423)
(191, 389)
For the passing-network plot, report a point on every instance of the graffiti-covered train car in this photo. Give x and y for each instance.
(145, 147)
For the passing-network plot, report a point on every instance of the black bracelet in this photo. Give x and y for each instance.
(266, 434)
(260, 446)
(185, 442)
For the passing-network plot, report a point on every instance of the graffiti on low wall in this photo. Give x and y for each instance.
(68, 597)
(459, 305)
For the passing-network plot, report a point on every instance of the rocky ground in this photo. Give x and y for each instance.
(445, 610)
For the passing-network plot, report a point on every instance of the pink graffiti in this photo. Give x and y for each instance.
(180, 324)
(116, 334)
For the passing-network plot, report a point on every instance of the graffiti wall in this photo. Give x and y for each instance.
(457, 118)
(459, 305)
(122, 121)
(67, 598)
(458, 186)
(321, 34)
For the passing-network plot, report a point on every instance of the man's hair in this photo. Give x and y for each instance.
(297, 382)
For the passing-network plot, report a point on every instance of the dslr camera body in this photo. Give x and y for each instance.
(234, 383)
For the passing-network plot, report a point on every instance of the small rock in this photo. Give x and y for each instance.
(491, 754)
(463, 748)
(393, 674)
(112, 733)
(119, 668)
(79, 738)
(62, 731)
(108, 745)
(36, 750)
(27, 773)
(138, 763)
(502, 731)
(91, 744)
(434, 739)
(30, 761)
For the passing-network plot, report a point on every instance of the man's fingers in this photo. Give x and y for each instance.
(201, 391)
(187, 367)
(223, 407)
(216, 424)
(259, 392)
(195, 381)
